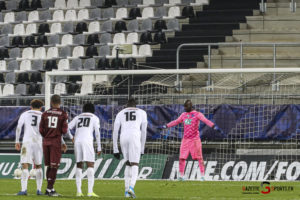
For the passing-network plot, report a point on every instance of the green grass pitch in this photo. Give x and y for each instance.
(107, 189)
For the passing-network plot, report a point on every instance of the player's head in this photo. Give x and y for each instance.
(131, 102)
(188, 106)
(55, 101)
(36, 104)
(88, 107)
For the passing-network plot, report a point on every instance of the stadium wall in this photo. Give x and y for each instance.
(282, 122)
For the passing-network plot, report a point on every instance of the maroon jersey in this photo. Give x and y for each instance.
(54, 123)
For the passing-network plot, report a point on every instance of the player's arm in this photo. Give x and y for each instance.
(97, 134)
(117, 126)
(175, 122)
(144, 132)
(42, 126)
(209, 123)
(71, 126)
(65, 124)
(18, 132)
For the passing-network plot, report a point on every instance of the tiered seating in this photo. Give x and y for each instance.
(278, 24)
(42, 35)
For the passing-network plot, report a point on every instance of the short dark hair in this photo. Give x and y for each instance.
(131, 102)
(36, 103)
(55, 99)
(88, 107)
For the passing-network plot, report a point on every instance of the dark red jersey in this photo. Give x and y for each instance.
(54, 123)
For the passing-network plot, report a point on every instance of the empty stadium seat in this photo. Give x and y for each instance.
(60, 88)
(21, 89)
(34, 89)
(72, 4)
(25, 65)
(8, 89)
(84, 3)
(2, 66)
(36, 77)
(60, 4)
(63, 64)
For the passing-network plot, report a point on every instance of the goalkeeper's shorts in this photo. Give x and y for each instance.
(191, 146)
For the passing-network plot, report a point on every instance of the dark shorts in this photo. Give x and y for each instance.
(52, 154)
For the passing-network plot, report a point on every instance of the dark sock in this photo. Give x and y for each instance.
(51, 178)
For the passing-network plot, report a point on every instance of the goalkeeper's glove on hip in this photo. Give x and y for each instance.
(117, 156)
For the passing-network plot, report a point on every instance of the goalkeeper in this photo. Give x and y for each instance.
(191, 142)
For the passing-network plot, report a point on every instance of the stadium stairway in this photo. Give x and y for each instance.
(213, 24)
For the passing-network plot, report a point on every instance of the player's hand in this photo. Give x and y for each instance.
(73, 140)
(98, 153)
(162, 127)
(64, 148)
(117, 156)
(218, 130)
(18, 146)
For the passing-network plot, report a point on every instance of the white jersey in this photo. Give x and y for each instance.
(31, 121)
(86, 124)
(133, 124)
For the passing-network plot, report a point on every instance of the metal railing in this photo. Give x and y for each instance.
(263, 6)
(232, 44)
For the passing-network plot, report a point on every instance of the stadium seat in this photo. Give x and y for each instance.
(4, 53)
(146, 25)
(83, 14)
(63, 64)
(27, 53)
(68, 27)
(106, 26)
(91, 51)
(95, 14)
(65, 52)
(21, 89)
(122, 3)
(160, 37)
(188, 12)
(33, 16)
(23, 5)
(133, 26)
(66, 40)
(89, 64)
(10, 78)
(84, 3)
(130, 63)
(37, 65)
(19, 29)
(173, 12)
(173, 25)
(120, 14)
(2, 78)
(52, 53)
(73, 88)
(104, 50)
(55, 29)
(2, 66)
(11, 5)
(81, 27)
(146, 38)
(31, 29)
(60, 88)
(50, 65)
(132, 38)
(134, 13)
(53, 40)
(40, 53)
(78, 51)
(12, 65)
(70, 15)
(34, 89)
(108, 13)
(120, 26)
(20, 17)
(160, 25)
(15, 53)
(72, 4)
(76, 64)
(160, 12)
(119, 38)
(86, 89)
(117, 64)
(8, 90)
(148, 12)
(135, 2)
(103, 63)
(79, 39)
(42, 40)
(25, 65)
(94, 27)
(45, 15)
(173, 2)
(44, 28)
(4, 41)
(7, 29)
(1, 91)
(60, 4)
(9, 17)
(36, 77)
(110, 3)
(199, 2)
(146, 3)
(29, 41)
(93, 39)
(145, 51)
(35, 4)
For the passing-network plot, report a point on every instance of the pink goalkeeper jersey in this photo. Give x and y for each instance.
(191, 122)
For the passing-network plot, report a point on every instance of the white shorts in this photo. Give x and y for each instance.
(32, 153)
(84, 152)
(131, 149)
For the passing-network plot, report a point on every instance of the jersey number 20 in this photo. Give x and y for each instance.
(85, 122)
(130, 116)
(52, 122)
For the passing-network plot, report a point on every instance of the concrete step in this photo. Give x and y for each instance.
(264, 35)
(292, 51)
(233, 61)
(274, 22)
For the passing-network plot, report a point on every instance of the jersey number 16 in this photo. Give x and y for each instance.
(130, 116)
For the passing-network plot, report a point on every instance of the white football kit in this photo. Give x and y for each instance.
(85, 124)
(133, 124)
(32, 149)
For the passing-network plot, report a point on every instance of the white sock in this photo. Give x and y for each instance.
(24, 179)
(78, 179)
(39, 179)
(90, 175)
(134, 175)
(127, 177)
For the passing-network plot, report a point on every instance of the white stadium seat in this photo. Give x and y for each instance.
(8, 89)
(25, 65)
(63, 64)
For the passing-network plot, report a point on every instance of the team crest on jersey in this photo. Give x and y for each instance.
(188, 121)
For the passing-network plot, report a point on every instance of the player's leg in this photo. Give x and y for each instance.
(184, 153)
(37, 157)
(25, 161)
(78, 178)
(55, 155)
(134, 159)
(46, 153)
(127, 177)
(89, 157)
(127, 173)
(196, 150)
